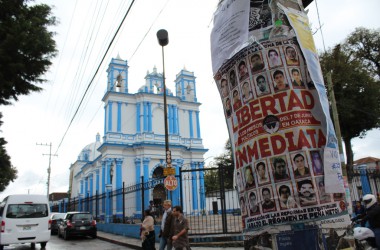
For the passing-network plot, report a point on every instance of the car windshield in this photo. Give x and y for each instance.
(81, 217)
(57, 216)
(27, 211)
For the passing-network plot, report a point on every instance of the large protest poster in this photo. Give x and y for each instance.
(287, 165)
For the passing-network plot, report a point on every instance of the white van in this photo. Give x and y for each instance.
(25, 218)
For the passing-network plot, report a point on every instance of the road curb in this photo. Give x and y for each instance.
(119, 243)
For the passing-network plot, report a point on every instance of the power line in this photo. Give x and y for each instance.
(138, 46)
(320, 26)
(93, 77)
(121, 7)
(74, 95)
(134, 52)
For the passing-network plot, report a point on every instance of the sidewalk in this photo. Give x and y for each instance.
(136, 243)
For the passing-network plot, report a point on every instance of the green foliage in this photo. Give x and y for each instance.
(212, 183)
(26, 47)
(8, 172)
(356, 87)
(225, 163)
(364, 45)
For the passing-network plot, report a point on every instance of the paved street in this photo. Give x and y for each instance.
(56, 243)
(105, 241)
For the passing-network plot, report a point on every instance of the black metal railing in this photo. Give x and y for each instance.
(219, 212)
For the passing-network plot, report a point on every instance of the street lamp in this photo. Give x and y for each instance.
(163, 40)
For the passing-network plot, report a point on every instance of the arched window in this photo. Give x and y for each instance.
(158, 172)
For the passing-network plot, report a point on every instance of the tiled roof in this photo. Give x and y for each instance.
(57, 196)
(366, 160)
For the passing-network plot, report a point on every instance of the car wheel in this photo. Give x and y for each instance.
(33, 245)
(1, 247)
(43, 244)
(94, 236)
(65, 235)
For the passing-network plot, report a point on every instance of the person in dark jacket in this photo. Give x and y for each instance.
(147, 231)
(166, 226)
(372, 215)
(359, 208)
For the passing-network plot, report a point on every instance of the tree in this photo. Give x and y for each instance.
(8, 172)
(26, 48)
(212, 183)
(356, 92)
(225, 165)
(364, 44)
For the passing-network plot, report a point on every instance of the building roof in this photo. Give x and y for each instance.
(57, 196)
(90, 152)
(366, 160)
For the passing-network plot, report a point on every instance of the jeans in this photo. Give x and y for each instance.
(377, 236)
(165, 242)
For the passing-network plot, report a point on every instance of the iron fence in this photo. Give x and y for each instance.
(218, 213)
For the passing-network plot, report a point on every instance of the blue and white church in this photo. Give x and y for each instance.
(132, 149)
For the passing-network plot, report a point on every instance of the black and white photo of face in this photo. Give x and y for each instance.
(233, 80)
(262, 83)
(274, 58)
(307, 190)
(267, 197)
(224, 87)
(291, 53)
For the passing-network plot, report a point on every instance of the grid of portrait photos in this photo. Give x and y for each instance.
(258, 71)
(285, 182)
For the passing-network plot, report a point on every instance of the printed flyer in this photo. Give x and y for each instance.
(287, 165)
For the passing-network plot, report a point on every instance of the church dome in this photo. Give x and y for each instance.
(90, 152)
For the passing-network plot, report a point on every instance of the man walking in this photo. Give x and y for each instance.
(180, 228)
(166, 225)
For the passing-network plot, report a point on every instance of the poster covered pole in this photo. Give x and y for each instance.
(288, 168)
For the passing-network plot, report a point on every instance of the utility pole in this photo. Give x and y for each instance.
(334, 112)
(49, 167)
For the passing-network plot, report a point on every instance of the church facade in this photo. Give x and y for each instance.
(132, 149)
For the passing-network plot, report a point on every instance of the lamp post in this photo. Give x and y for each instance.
(163, 40)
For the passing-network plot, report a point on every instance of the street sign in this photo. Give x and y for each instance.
(170, 183)
(169, 171)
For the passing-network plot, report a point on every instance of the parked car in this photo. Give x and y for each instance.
(56, 218)
(77, 224)
(24, 219)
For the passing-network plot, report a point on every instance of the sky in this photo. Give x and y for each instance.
(84, 31)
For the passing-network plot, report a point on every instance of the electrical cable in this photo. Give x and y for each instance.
(320, 26)
(81, 69)
(92, 79)
(138, 46)
(104, 44)
(68, 98)
(60, 58)
(91, 50)
(134, 52)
